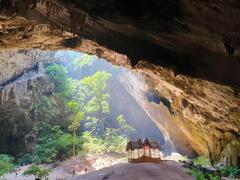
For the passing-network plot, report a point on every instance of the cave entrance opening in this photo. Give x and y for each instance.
(51, 100)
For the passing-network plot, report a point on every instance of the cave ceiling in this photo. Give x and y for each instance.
(196, 38)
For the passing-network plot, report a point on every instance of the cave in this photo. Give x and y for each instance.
(181, 61)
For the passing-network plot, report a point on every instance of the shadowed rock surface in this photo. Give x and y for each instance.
(147, 171)
(191, 37)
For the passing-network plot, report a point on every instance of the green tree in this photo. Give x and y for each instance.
(6, 164)
(76, 118)
(46, 151)
(58, 74)
(125, 128)
(84, 60)
(38, 172)
(98, 105)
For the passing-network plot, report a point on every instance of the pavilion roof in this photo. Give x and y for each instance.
(132, 145)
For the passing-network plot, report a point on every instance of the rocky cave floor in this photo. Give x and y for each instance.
(108, 166)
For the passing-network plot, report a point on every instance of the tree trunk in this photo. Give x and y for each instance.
(74, 144)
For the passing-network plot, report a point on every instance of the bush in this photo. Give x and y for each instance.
(202, 160)
(37, 171)
(6, 164)
(199, 175)
(229, 171)
(113, 144)
(64, 145)
(116, 144)
(53, 144)
(92, 144)
(26, 159)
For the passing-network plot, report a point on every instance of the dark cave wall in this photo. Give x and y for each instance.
(184, 35)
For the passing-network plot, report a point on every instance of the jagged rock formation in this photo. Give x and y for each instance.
(164, 33)
(23, 83)
(206, 113)
(175, 139)
(193, 41)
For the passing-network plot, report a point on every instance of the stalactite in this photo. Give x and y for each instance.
(77, 21)
(23, 5)
(53, 8)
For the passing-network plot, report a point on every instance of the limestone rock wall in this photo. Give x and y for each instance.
(23, 83)
(206, 113)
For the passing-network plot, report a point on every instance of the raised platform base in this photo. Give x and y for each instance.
(144, 159)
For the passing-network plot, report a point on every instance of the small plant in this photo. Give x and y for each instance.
(38, 172)
(202, 161)
(212, 177)
(230, 171)
(197, 174)
(6, 164)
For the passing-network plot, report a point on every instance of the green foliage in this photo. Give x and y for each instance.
(125, 128)
(58, 74)
(230, 171)
(64, 145)
(92, 144)
(202, 160)
(97, 106)
(226, 171)
(212, 177)
(110, 142)
(97, 83)
(197, 174)
(77, 116)
(37, 171)
(25, 159)
(83, 61)
(113, 141)
(52, 143)
(6, 164)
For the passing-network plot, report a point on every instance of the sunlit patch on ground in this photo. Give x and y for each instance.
(174, 156)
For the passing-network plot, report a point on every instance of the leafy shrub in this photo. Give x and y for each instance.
(52, 144)
(229, 171)
(116, 144)
(26, 159)
(37, 171)
(202, 160)
(65, 143)
(199, 175)
(212, 177)
(6, 164)
(94, 144)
